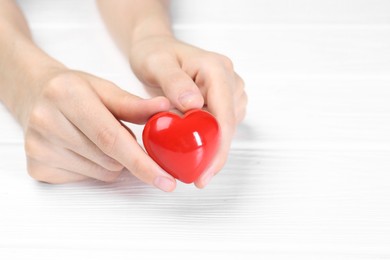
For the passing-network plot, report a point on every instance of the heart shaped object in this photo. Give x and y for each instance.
(183, 146)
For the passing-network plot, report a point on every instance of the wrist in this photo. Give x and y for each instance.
(132, 21)
(150, 28)
(24, 69)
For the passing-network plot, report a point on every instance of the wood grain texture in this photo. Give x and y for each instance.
(308, 174)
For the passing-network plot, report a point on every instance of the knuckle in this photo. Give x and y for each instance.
(38, 118)
(62, 87)
(54, 91)
(137, 167)
(106, 139)
(226, 62)
(221, 61)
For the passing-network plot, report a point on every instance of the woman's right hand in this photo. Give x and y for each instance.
(72, 120)
(73, 131)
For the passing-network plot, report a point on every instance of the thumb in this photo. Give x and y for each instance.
(178, 86)
(126, 106)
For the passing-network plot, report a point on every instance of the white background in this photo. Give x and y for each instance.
(309, 172)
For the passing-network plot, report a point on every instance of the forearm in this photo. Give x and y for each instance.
(21, 61)
(132, 20)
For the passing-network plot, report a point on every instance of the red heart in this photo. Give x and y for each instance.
(182, 146)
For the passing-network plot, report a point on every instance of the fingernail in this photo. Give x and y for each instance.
(191, 99)
(164, 184)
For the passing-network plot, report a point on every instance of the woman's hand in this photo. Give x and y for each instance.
(193, 78)
(73, 131)
(72, 120)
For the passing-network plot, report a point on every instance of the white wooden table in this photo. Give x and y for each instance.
(309, 172)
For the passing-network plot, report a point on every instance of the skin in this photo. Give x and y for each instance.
(44, 96)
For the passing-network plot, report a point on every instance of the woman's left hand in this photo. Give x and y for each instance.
(193, 78)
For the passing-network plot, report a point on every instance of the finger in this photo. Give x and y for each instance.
(83, 166)
(81, 145)
(125, 106)
(86, 111)
(41, 172)
(55, 157)
(50, 123)
(145, 169)
(177, 85)
(220, 102)
(128, 130)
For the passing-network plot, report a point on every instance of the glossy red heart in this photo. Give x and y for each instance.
(182, 146)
